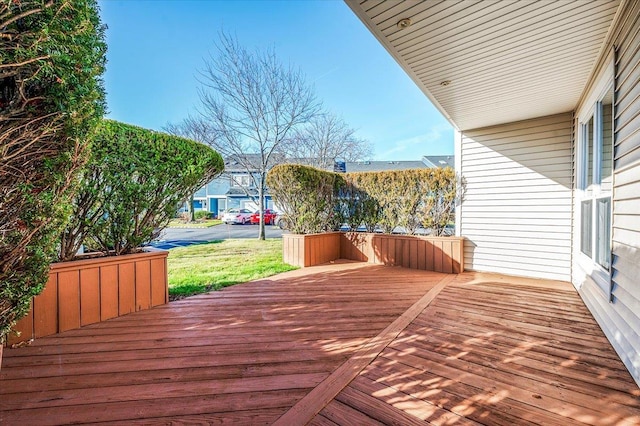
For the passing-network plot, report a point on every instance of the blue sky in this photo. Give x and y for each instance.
(156, 49)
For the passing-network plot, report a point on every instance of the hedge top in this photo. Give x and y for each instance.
(316, 201)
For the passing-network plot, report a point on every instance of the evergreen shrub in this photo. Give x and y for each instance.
(131, 187)
(306, 196)
(201, 214)
(377, 200)
(51, 97)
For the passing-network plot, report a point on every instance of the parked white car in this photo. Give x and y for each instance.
(240, 216)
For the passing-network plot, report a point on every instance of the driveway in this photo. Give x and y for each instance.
(180, 237)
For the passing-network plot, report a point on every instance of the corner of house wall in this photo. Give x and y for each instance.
(457, 143)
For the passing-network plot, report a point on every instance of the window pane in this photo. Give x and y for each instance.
(603, 232)
(588, 164)
(241, 180)
(606, 166)
(586, 224)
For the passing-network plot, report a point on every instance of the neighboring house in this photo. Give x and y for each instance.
(229, 190)
(545, 100)
(379, 166)
(429, 161)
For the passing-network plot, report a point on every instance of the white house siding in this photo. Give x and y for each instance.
(620, 317)
(516, 213)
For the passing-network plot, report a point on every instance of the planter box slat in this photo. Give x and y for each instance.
(126, 289)
(89, 296)
(413, 254)
(406, 257)
(108, 292)
(421, 254)
(391, 255)
(45, 310)
(143, 292)
(68, 300)
(439, 263)
(308, 260)
(439, 254)
(91, 290)
(159, 288)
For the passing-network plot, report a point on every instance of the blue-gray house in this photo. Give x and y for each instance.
(234, 188)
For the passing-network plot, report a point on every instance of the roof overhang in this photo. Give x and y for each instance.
(490, 62)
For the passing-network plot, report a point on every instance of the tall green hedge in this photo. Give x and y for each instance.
(51, 97)
(307, 197)
(384, 200)
(132, 185)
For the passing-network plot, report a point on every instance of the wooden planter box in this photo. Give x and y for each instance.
(439, 254)
(87, 291)
(311, 249)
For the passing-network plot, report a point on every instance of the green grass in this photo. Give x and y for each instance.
(212, 266)
(178, 223)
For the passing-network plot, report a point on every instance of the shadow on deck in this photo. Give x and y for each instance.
(346, 343)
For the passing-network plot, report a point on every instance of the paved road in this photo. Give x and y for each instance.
(179, 237)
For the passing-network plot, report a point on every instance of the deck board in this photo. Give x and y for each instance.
(396, 400)
(485, 349)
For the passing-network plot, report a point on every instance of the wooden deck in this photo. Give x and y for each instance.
(346, 343)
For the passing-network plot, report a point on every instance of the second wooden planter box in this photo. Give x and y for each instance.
(311, 249)
(439, 254)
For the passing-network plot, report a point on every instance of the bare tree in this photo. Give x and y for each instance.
(325, 139)
(250, 104)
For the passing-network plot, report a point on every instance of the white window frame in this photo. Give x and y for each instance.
(238, 181)
(586, 191)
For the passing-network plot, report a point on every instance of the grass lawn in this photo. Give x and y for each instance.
(205, 267)
(179, 223)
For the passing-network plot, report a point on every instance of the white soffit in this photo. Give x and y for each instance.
(506, 60)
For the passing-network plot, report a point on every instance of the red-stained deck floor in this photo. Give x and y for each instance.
(346, 343)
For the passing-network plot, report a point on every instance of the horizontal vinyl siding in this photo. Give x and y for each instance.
(620, 318)
(516, 212)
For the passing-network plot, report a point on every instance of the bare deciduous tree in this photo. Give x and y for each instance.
(325, 139)
(250, 104)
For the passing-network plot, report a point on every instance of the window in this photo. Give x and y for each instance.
(241, 180)
(603, 228)
(595, 173)
(585, 241)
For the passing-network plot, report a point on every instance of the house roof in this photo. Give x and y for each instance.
(233, 165)
(439, 160)
(239, 192)
(428, 161)
(378, 166)
(491, 62)
(239, 163)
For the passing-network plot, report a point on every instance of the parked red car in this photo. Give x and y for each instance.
(269, 217)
